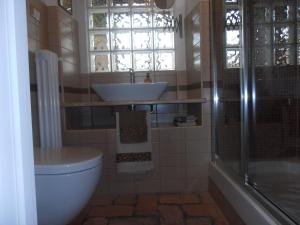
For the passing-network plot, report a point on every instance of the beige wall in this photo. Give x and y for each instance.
(180, 155)
(37, 39)
(63, 40)
(37, 29)
(57, 31)
(198, 49)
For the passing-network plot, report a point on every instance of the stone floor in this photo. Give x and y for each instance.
(152, 209)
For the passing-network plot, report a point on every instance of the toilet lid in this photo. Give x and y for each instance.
(66, 160)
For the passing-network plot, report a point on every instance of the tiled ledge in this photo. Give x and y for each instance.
(122, 103)
(160, 126)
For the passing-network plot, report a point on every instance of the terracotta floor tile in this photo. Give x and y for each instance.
(201, 210)
(221, 222)
(112, 211)
(170, 199)
(190, 199)
(178, 199)
(102, 200)
(81, 216)
(152, 209)
(146, 205)
(206, 198)
(134, 221)
(126, 200)
(170, 215)
(198, 221)
(96, 221)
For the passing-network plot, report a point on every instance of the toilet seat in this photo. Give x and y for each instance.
(66, 160)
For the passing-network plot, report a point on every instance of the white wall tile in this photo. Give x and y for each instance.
(202, 146)
(172, 172)
(173, 185)
(92, 137)
(197, 185)
(194, 172)
(172, 147)
(122, 187)
(197, 133)
(197, 158)
(176, 160)
(180, 156)
(171, 134)
(147, 186)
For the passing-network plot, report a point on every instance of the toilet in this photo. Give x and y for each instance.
(65, 177)
(65, 181)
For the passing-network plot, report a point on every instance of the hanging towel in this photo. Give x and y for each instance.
(133, 127)
(134, 157)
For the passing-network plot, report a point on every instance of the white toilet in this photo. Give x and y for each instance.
(66, 177)
(65, 181)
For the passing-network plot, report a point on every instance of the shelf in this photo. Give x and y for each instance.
(160, 126)
(122, 103)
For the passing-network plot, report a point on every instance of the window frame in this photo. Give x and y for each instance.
(132, 51)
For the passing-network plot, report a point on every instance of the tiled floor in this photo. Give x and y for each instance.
(163, 209)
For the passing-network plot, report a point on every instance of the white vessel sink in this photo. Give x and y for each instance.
(130, 92)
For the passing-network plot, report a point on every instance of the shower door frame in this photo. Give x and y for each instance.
(17, 180)
(247, 93)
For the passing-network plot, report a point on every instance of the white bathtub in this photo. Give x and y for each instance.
(251, 211)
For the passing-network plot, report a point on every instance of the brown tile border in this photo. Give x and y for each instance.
(228, 210)
(69, 90)
(77, 90)
(207, 84)
(194, 86)
(73, 90)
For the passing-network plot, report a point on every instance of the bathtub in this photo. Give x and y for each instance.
(279, 181)
(244, 201)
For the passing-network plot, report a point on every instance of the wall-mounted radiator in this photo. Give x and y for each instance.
(48, 99)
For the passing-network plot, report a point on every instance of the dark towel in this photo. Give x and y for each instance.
(133, 127)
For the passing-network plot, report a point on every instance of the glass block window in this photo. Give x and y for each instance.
(127, 34)
(232, 42)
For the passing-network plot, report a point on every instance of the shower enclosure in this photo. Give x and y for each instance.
(256, 65)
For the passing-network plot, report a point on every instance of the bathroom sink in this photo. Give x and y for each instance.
(130, 92)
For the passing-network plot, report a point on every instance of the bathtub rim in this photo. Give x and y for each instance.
(249, 204)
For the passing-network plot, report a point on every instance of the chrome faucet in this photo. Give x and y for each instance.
(132, 76)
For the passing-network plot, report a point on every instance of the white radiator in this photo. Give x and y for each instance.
(48, 99)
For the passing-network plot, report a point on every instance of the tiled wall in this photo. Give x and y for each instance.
(63, 40)
(78, 88)
(37, 29)
(172, 77)
(181, 157)
(177, 89)
(57, 31)
(197, 26)
(37, 39)
(198, 43)
(103, 117)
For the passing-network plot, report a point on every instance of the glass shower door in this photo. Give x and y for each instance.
(227, 48)
(274, 123)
